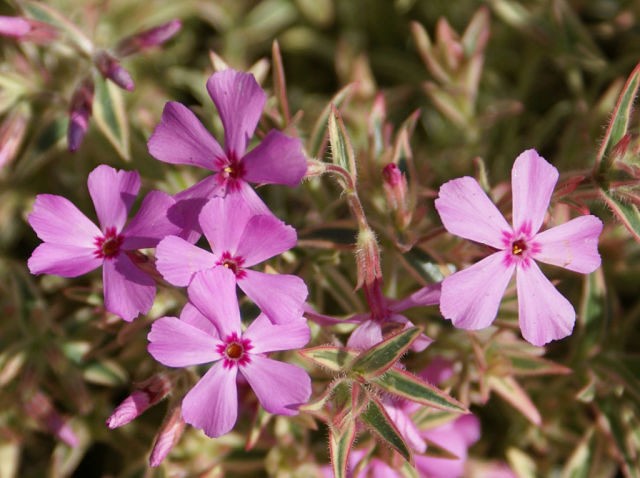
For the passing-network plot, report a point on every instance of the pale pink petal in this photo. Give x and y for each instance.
(180, 138)
(406, 427)
(466, 211)
(55, 219)
(113, 192)
(63, 260)
(213, 292)
(176, 343)
(468, 427)
(151, 223)
(127, 290)
(418, 345)
(428, 295)
(280, 387)
(438, 370)
(192, 316)
(532, 182)
(278, 159)
(268, 337)
(572, 245)
(223, 221)
(280, 296)
(434, 467)
(251, 198)
(178, 260)
(365, 336)
(470, 298)
(239, 100)
(265, 237)
(212, 405)
(543, 313)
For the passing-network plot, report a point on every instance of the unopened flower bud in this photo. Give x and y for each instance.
(27, 29)
(39, 408)
(12, 133)
(367, 257)
(396, 191)
(167, 437)
(148, 394)
(148, 38)
(110, 68)
(79, 114)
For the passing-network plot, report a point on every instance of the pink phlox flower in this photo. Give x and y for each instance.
(471, 297)
(373, 468)
(211, 331)
(239, 239)
(73, 245)
(27, 29)
(180, 138)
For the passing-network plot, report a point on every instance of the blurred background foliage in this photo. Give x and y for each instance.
(546, 76)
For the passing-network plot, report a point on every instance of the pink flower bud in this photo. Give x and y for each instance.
(79, 114)
(12, 133)
(167, 437)
(148, 38)
(27, 29)
(150, 392)
(110, 68)
(39, 407)
(367, 257)
(396, 191)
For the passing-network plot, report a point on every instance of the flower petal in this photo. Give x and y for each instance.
(113, 192)
(63, 260)
(189, 204)
(180, 138)
(572, 245)
(532, 182)
(470, 298)
(192, 316)
(280, 296)
(128, 291)
(544, 314)
(56, 219)
(467, 211)
(428, 295)
(435, 467)
(151, 223)
(267, 337)
(406, 427)
(212, 405)
(280, 387)
(250, 197)
(213, 292)
(223, 221)
(419, 344)
(239, 100)
(178, 260)
(175, 343)
(365, 336)
(278, 159)
(265, 237)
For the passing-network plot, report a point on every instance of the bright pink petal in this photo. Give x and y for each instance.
(213, 292)
(239, 100)
(278, 159)
(470, 298)
(189, 204)
(223, 221)
(175, 343)
(178, 260)
(251, 198)
(264, 237)
(267, 337)
(212, 405)
(467, 211)
(180, 138)
(127, 290)
(280, 296)
(280, 387)
(365, 336)
(113, 192)
(434, 467)
(532, 183)
(468, 427)
(63, 260)
(55, 219)
(192, 316)
(572, 245)
(151, 223)
(428, 295)
(544, 314)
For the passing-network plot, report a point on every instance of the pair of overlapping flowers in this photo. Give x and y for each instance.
(241, 231)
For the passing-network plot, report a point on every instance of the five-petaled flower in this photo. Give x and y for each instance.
(471, 297)
(211, 331)
(73, 245)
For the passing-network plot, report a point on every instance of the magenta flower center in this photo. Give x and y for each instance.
(518, 247)
(234, 350)
(108, 246)
(231, 172)
(522, 247)
(233, 263)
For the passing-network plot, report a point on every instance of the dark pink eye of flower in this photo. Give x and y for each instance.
(234, 264)
(518, 247)
(108, 245)
(234, 350)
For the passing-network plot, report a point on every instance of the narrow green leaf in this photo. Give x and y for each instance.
(580, 461)
(513, 393)
(280, 83)
(522, 464)
(340, 444)
(403, 384)
(379, 422)
(110, 115)
(329, 356)
(526, 365)
(342, 152)
(422, 266)
(317, 140)
(622, 440)
(628, 214)
(620, 118)
(381, 357)
(106, 372)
